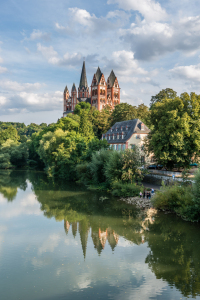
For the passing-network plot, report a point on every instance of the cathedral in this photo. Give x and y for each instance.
(102, 93)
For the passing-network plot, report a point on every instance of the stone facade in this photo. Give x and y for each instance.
(102, 93)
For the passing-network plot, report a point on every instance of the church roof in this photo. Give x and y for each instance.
(112, 78)
(73, 87)
(98, 75)
(83, 80)
(134, 126)
(66, 89)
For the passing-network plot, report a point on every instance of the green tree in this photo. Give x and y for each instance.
(175, 137)
(9, 133)
(85, 127)
(164, 94)
(100, 120)
(81, 106)
(123, 112)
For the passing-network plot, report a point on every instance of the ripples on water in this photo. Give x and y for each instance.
(61, 241)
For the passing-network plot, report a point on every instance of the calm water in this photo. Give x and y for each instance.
(60, 241)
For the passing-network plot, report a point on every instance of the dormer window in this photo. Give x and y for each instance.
(111, 129)
(118, 136)
(122, 135)
(126, 127)
(109, 137)
(113, 136)
(121, 128)
(142, 126)
(116, 128)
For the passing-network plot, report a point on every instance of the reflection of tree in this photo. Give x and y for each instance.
(10, 181)
(174, 254)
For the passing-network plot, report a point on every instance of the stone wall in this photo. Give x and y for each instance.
(158, 178)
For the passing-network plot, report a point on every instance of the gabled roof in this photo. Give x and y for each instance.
(98, 75)
(83, 80)
(134, 126)
(112, 78)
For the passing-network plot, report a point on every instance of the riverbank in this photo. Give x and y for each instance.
(139, 202)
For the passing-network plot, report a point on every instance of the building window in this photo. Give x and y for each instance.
(109, 137)
(83, 94)
(133, 147)
(142, 147)
(124, 147)
(138, 136)
(119, 147)
(118, 136)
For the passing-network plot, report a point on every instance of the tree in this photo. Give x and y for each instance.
(85, 127)
(175, 137)
(81, 106)
(164, 94)
(9, 133)
(123, 112)
(100, 120)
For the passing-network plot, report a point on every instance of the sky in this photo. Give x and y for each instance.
(151, 45)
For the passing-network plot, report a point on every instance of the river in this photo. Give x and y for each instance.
(60, 241)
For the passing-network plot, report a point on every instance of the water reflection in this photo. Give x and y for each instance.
(144, 243)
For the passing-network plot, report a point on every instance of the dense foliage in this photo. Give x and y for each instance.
(175, 136)
(181, 198)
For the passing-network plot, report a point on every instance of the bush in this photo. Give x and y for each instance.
(113, 167)
(97, 166)
(178, 199)
(125, 189)
(83, 172)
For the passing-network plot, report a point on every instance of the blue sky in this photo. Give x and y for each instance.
(149, 44)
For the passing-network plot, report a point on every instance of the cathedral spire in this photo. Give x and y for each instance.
(83, 80)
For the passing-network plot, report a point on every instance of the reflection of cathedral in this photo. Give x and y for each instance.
(99, 236)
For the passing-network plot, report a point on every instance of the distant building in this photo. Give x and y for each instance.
(102, 93)
(127, 135)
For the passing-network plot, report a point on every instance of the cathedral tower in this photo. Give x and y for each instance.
(67, 102)
(83, 90)
(98, 90)
(113, 90)
(74, 96)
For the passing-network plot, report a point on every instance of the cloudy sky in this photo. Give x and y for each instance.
(149, 44)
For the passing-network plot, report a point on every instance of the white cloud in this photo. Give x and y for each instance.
(30, 102)
(3, 70)
(39, 35)
(68, 59)
(49, 53)
(150, 9)
(125, 65)
(151, 39)
(190, 73)
(81, 22)
(19, 87)
(82, 16)
(2, 100)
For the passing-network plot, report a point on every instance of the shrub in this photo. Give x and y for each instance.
(178, 199)
(113, 167)
(97, 166)
(83, 172)
(121, 189)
